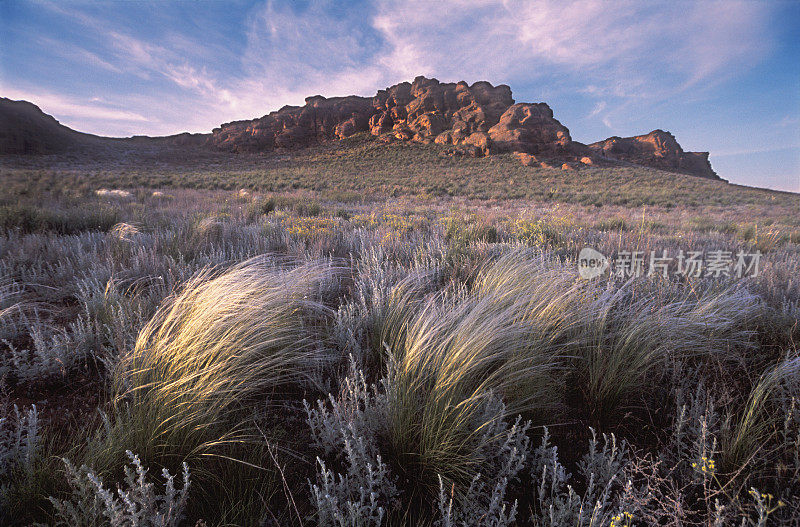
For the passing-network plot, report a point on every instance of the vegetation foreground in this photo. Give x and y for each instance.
(215, 357)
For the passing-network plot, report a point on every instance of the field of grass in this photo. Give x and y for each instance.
(363, 335)
(360, 166)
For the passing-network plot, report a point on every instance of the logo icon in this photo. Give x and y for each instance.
(591, 263)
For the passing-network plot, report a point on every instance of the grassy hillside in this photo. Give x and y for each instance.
(362, 165)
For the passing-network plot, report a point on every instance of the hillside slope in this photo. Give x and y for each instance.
(474, 120)
(25, 129)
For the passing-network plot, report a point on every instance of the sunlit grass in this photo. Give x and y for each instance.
(228, 341)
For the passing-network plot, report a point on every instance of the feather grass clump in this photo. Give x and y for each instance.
(124, 232)
(450, 364)
(225, 340)
(764, 413)
(632, 333)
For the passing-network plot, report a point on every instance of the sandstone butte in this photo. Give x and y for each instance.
(468, 120)
(473, 120)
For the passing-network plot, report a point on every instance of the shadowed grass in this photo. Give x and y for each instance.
(759, 421)
(634, 334)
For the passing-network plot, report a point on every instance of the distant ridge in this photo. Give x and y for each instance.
(471, 120)
(25, 129)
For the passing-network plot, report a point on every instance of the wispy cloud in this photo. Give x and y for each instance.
(76, 54)
(598, 108)
(72, 109)
(614, 54)
(593, 40)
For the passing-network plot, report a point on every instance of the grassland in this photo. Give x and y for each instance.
(362, 334)
(368, 168)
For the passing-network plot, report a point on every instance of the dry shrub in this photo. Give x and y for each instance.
(124, 232)
(114, 194)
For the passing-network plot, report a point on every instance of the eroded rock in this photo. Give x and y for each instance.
(526, 159)
(530, 128)
(658, 149)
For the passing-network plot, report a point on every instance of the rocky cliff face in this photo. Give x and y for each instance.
(474, 120)
(657, 149)
(531, 128)
(479, 119)
(296, 126)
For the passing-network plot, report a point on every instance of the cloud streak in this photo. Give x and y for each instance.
(616, 55)
(74, 110)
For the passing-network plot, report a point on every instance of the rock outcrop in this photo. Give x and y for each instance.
(470, 120)
(658, 149)
(531, 128)
(446, 113)
(480, 119)
(526, 159)
(296, 126)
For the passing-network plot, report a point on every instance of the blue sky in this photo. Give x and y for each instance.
(722, 76)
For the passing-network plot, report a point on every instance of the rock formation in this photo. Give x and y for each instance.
(658, 149)
(466, 120)
(296, 126)
(479, 118)
(470, 120)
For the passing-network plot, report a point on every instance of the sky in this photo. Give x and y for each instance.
(722, 76)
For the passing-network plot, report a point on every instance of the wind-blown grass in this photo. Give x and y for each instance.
(634, 333)
(226, 341)
(455, 356)
(760, 421)
(457, 326)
